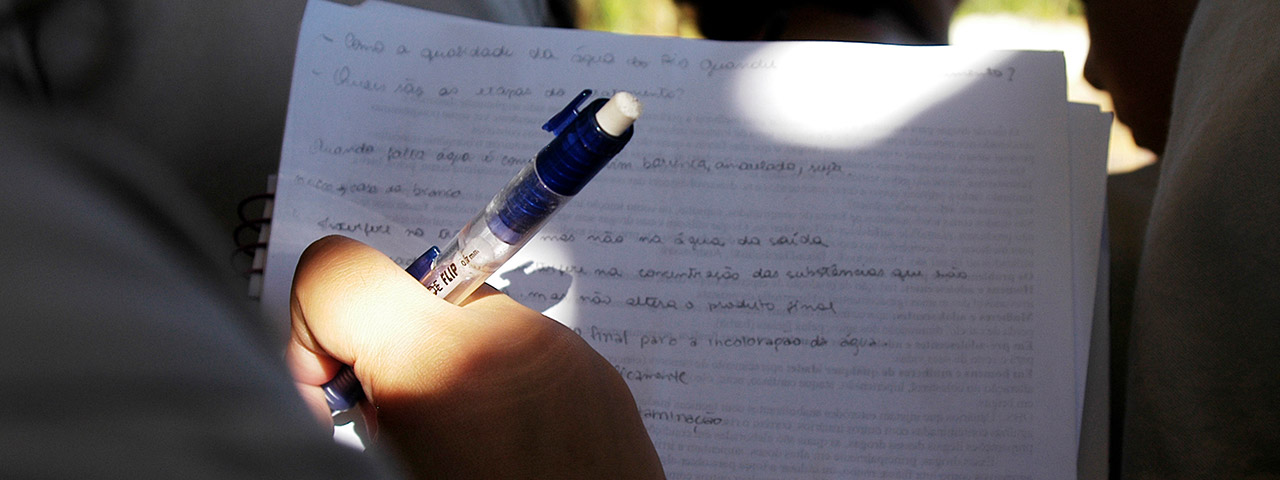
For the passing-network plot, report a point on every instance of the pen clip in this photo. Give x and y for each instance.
(561, 120)
(422, 266)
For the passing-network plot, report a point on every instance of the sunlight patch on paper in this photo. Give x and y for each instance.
(824, 96)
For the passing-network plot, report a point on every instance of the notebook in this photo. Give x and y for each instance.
(814, 259)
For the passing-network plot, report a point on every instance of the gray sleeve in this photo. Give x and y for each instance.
(125, 352)
(1204, 378)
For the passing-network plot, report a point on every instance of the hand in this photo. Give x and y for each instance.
(489, 389)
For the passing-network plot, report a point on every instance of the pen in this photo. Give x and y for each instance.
(584, 142)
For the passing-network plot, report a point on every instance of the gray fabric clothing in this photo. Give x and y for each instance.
(127, 354)
(1204, 379)
(201, 83)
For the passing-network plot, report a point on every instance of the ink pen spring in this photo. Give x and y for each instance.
(584, 142)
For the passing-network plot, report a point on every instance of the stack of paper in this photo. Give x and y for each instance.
(817, 260)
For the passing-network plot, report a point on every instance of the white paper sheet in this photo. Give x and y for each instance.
(1090, 134)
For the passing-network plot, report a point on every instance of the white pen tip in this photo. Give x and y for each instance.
(619, 113)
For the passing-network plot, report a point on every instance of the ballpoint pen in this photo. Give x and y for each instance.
(584, 142)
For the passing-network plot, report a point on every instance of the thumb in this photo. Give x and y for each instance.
(349, 305)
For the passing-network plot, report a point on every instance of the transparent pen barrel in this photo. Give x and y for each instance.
(486, 242)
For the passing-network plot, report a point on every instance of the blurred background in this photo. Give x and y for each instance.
(996, 24)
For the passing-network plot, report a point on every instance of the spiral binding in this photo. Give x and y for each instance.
(254, 247)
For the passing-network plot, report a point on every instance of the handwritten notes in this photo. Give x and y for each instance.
(814, 259)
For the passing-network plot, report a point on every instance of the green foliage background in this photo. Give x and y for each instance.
(1049, 9)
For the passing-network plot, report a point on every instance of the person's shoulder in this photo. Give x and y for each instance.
(1226, 76)
(135, 359)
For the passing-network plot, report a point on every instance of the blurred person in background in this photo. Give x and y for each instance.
(1194, 349)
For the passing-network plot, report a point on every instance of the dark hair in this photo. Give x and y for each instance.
(745, 19)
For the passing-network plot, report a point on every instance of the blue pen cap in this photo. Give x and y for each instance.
(562, 169)
(579, 153)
